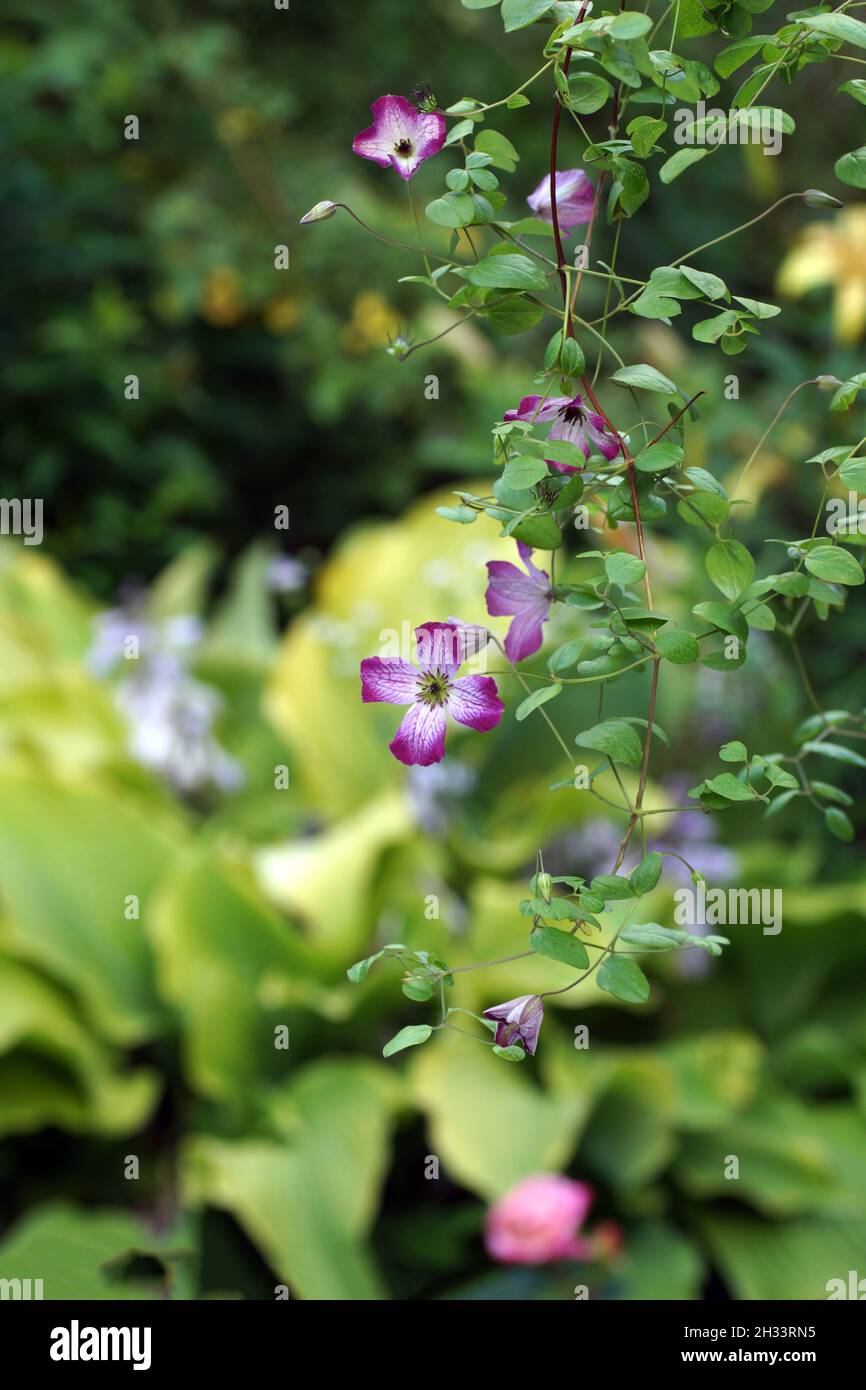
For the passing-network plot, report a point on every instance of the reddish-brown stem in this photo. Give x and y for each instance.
(554, 210)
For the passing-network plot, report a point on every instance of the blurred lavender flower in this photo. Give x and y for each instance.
(169, 713)
(286, 575)
(434, 792)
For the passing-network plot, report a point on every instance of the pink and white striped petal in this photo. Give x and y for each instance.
(474, 701)
(420, 739)
(388, 679)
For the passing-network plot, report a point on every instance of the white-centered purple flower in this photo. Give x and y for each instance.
(518, 1021)
(400, 137)
(430, 688)
(526, 596)
(571, 422)
(574, 199)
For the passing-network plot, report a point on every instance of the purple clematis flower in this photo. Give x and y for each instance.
(400, 137)
(430, 690)
(575, 195)
(519, 1021)
(528, 596)
(572, 422)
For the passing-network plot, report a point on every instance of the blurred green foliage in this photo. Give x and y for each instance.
(153, 1036)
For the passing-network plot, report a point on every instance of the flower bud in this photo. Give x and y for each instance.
(827, 383)
(814, 198)
(320, 213)
(544, 886)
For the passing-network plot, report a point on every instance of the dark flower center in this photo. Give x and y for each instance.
(434, 688)
(403, 146)
(573, 414)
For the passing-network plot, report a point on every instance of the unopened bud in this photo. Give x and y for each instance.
(827, 383)
(544, 885)
(320, 213)
(814, 198)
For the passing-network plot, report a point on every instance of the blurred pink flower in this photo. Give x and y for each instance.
(538, 1221)
(574, 198)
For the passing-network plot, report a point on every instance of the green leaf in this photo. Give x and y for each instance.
(419, 988)
(559, 945)
(838, 752)
(624, 980)
(588, 92)
(659, 458)
(616, 739)
(513, 314)
(853, 475)
(733, 57)
(643, 132)
(464, 516)
(499, 147)
(538, 697)
(623, 568)
(734, 752)
(516, 14)
(630, 24)
(836, 26)
(508, 272)
(679, 162)
(286, 1184)
(845, 396)
(612, 887)
(514, 1053)
(69, 858)
(830, 793)
(730, 787)
(710, 285)
(730, 567)
(523, 471)
(838, 824)
(410, 1036)
(452, 210)
(539, 532)
(652, 937)
(851, 168)
(78, 1253)
(644, 378)
(856, 88)
(677, 646)
(834, 564)
(644, 878)
(558, 450)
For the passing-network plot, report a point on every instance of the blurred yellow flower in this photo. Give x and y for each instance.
(833, 253)
(281, 313)
(373, 322)
(221, 299)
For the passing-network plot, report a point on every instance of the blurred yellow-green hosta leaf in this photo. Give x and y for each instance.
(44, 620)
(307, 1199)
(53, 1071)
(783, 1259)
(89, 1254)
(383, 578)
(327, 880)
(79, 869)
(232, 968)
(793, 1159)
(490, 1124)
(716, 1075)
